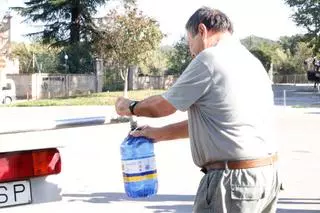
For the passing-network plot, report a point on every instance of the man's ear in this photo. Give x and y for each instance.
(202, 29)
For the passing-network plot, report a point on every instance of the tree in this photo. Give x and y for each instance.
(290, 43)
(307, 15)
(36, 57)
(180, 57)
(65, 21)
(286, 63)
(254, 42)
(157, 63)
(127, 39)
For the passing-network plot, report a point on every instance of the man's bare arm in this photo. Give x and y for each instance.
(154, 106)
(170, 132)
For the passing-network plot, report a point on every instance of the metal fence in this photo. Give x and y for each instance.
(299, 95)
(291, 79)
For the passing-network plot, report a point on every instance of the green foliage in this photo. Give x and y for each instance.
(287, 55)
(127, 39)
(255, 42)
(157, 64)
(289, 43)
(65, 21)
(80, 59)
(179, 57)
(287, 63)
(307, 15)
(36, 57)
(113, 81)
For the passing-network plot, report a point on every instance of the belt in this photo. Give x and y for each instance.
(240, 164)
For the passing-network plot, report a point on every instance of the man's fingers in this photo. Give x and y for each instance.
(140, 131)
(137, 133)
(144, 131)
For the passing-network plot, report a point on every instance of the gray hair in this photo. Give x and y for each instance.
(213, 19)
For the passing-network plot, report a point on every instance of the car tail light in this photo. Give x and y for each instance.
(26, 164)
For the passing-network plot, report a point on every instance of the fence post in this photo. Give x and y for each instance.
(284, 98)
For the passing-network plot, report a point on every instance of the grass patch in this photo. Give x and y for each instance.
(104, 98)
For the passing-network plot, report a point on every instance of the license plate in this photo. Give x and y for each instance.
(15, 193)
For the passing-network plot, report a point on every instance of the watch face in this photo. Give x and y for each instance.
(132, 103)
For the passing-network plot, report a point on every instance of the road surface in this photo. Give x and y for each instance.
(91, 178)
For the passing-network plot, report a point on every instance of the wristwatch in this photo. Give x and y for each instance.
(132, 106)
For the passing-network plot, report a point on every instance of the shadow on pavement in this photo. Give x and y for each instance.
(171, 208)
(160, 207)
(302, 201)
(304, 205)
(313, 113)
(114, 196)
(296, 211)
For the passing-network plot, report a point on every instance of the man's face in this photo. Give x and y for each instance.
(200, 41)
(194, 44)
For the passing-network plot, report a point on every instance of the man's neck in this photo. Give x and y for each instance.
(218, 36)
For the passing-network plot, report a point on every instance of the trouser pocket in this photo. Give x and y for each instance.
(208, 192)
(246, 199)
(247, 191)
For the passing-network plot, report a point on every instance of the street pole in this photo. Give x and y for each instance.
(66, 62)
(8, 16)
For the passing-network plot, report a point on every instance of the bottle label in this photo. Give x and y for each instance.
(138, 166)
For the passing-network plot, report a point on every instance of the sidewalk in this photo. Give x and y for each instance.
(25, 119)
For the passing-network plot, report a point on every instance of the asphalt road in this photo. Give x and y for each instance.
(91, 178)
(296, 95)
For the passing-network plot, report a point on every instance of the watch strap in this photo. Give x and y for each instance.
(132, 106)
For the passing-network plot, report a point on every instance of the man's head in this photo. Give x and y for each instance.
(204, 28)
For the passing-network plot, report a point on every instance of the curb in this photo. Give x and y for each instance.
(74, 122)
(44, 125)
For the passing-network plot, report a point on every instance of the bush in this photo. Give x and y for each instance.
(113, 86)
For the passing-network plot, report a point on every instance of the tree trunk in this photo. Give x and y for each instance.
(75, 22)
(75, 34)
(125, 90)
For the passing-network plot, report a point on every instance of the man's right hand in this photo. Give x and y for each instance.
(170, 132)
(148, 132)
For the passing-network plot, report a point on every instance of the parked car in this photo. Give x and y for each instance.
(8, 92)
(24, 176)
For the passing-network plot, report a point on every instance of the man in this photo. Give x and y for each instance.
(229, 100)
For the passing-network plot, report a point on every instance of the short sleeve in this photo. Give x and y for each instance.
(190, 86)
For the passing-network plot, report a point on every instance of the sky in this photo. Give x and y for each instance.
(264, 18)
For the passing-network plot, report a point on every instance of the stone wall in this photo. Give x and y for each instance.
(38, 86)
(154, 82)
(23, 85)
(49, 85)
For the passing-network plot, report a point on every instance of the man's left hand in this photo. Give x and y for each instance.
(122, 106)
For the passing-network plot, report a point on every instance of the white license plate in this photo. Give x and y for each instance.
(15, 193)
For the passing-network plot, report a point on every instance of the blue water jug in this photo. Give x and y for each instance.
(139, 167)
